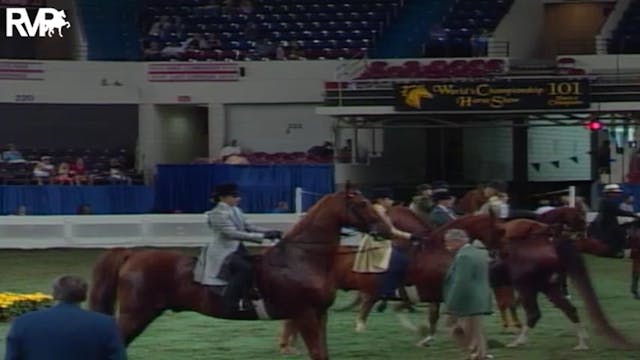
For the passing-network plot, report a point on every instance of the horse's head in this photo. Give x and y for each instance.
(354, 210)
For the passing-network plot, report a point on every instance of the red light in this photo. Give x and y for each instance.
(594, 125)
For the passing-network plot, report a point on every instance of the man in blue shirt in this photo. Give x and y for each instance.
(65, 331)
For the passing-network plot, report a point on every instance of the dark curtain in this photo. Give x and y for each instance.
(187, 188)
(65, 200)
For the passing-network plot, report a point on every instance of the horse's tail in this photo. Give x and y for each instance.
(104, 280)
(578, 272)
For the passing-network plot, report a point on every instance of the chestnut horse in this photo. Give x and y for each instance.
(428, 266)
(293, 277)
(471, 201)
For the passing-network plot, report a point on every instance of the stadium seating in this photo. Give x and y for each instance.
(264, 158)
(625, 39)
(433, 69)
(96, 162)
(310, 28)
(466, 28)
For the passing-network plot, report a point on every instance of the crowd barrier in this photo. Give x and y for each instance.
(107, 231)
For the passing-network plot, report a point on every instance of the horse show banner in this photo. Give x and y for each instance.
(189, 72)
(21, 70)
(518, 94)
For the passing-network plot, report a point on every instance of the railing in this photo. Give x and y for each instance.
(100, 231)
(42, 232)
(498, 48)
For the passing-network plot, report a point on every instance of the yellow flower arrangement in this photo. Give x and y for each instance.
(14, 304)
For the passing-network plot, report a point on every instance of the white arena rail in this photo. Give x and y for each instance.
(106, 231)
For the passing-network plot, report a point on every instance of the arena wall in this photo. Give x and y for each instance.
(524, 41)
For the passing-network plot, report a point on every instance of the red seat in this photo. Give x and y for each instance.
(457, 68)
(495, 66)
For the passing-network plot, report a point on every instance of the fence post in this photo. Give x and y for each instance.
(298, 200)
(572, 196)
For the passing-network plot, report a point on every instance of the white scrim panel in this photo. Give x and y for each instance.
(561, 143)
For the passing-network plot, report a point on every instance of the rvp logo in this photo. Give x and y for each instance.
(47, 21)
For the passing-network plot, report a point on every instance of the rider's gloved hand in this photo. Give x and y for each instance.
(273, 235)
(416, 239)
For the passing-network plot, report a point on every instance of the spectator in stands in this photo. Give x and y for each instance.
(12, 155)
(214, 42)
(346, 151)
(84, 209)
(116, 174)
(295, 53)
(627, 203)
(65, 331)
(64, 174)
(79, 172)
(251, 31)
(236, 159)
(281, 208)
(322, 151)
(199, 43)
(21, 210)
(158, 26)
(231, 148)
(281, 54)
(247, 7)
(479, 43)
(213, 7)
(43, 170)
(153, 52)
(264, 49)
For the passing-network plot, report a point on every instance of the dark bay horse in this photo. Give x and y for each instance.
(293, 277)
(572, 223)
(537, 256)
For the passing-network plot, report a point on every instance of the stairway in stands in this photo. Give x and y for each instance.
(111, 28)
(405, 37)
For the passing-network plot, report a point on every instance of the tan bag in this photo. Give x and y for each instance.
(373, 255)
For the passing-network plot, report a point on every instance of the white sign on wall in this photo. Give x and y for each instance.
(189, 72)
(21, 70)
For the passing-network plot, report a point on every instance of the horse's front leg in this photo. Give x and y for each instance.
(288, 338)
(434, 316)
(313, 328)
(365, 308)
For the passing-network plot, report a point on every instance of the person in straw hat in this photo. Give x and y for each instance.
(607, 228)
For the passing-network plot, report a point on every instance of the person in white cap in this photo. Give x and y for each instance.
(606, 223)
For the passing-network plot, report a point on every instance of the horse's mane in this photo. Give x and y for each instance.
(308, 218)
(457, 222)
(410, 221)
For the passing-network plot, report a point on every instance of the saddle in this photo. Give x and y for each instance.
(373, 256)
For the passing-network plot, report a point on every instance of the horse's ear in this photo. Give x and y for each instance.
(348, 186)
(349, 189)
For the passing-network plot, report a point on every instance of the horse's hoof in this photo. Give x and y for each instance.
(360, 328)
(515, 344)
(289, 351)
(425, 342)
(581, 347)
